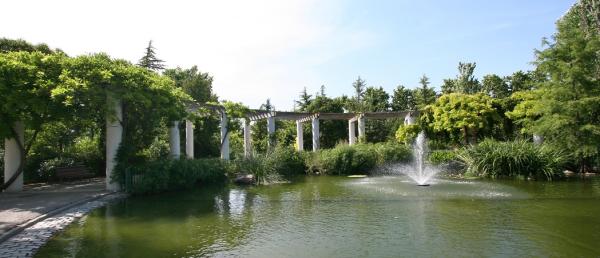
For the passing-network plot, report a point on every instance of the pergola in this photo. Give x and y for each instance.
(114, 132)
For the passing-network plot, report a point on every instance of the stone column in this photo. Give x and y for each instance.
(114, 135)
(189, 139)
(351, 132)
(271, 130)
(409, 119)
(12, 158)
(247, 139)
(315, 133)
(224, 136)
(174, 141)
(361, 127)
(299, 136)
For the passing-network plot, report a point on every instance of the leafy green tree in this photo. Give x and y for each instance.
(465, 81)
(27, 83)
(495, 86)
(150, 61)
(198, 85)
(521, 81)
(377, 100)
(565, 108)
(403, 99)
(462, 115)
(331, 131)
(14, 45)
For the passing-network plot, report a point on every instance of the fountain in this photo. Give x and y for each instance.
(421, 173)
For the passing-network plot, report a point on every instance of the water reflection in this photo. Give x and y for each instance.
(342, 217)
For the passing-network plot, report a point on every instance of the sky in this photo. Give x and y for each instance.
(273, 49)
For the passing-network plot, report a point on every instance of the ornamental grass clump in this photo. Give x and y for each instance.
(517, 159)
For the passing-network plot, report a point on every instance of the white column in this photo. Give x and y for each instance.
(361, 127)
(538, 139)
(247, 139)
(189, 139)
(224, 137)
(271, 130)
(174, 140)
(114, 135)
(12, 158)
(409, 119)
(315, 133)
(299, 136)
(351, 132)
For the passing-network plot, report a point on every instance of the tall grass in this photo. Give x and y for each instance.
(513, 159)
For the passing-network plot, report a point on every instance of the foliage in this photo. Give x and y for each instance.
(331, 132)
(440, 157)
(359, 158)
(465, 113)
(424, 95)
(407, 133)
(565, 107)
(465, 81)
(304, 101)
(15, 45)
(166, 175)
(150, 61)
(513, 159)
(403, 99)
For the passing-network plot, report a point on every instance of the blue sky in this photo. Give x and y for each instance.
(431, 37)
(272, 49)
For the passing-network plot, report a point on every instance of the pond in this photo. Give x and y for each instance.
(346, 217)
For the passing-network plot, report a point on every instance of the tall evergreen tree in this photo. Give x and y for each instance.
(424, 95)
(359, 88)
(403, 99)
(149, 60)
(305, 100)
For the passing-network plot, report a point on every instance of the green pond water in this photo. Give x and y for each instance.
(346, 217)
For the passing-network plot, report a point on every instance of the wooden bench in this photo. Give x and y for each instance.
(73, 172)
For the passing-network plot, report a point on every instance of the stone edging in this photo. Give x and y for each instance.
(27, 238)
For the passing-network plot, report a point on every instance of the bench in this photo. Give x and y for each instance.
(73, 172)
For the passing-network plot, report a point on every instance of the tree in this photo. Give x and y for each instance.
(198, 85)
(27, 83)
(565, 108)
(305, 100)
(322, 91)
(495, 86)
(150, 61)
(424, 95)
(14, 45)
(331, 131)
(520, 81)
(461, 115)
(377, 100)
(359, 88)
(193, 82)
(465, 81)
(403, 99)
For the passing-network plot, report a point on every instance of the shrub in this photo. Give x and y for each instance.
(407, 133)
(285, 161)
(440, 157)
(164, 175)
(360, 158)
(513, 159)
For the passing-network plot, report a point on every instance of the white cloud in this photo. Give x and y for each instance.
(254, 49)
